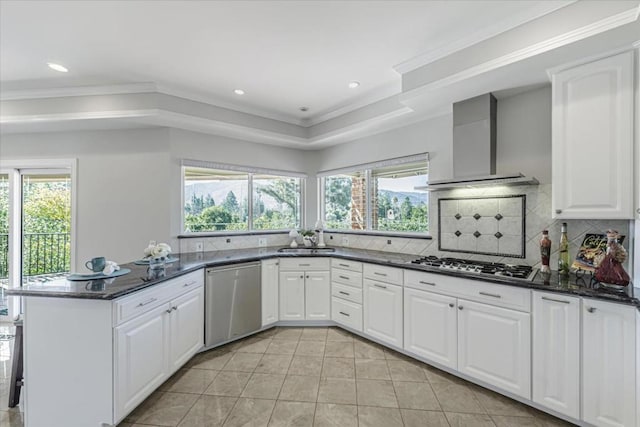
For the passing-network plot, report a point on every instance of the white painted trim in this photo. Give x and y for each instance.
(85, 115)
(527, 52)
(592, 58)
(117, 89)
(383, 92)
(485, 33)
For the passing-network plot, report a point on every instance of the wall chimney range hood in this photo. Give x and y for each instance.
(474, 148)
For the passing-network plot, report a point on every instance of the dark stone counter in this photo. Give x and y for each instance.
(139, 278)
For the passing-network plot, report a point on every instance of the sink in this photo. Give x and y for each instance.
(305, 250)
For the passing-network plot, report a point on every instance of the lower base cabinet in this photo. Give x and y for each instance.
(494, 346)
(610, 364)
(382, 305)
(556, 352)
(150, 348)
(431, 326)
(346, 313)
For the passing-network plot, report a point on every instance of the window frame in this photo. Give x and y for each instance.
(368, 168)
(250, 172)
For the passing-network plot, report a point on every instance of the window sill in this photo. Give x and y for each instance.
(383, 234)
(230, 233)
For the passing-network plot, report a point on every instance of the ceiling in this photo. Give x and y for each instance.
(283, 54)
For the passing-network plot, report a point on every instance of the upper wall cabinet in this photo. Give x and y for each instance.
(593, 116)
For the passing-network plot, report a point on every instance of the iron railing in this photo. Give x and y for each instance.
(43, 253)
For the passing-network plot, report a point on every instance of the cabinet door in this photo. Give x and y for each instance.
(141, 358)
(608, 364)
(556, 352)
(269, 291)
(593, 117)
(431, 326)
(292, 295)
(494, 346)
(382, 308)
(187, 328)
(317, 295)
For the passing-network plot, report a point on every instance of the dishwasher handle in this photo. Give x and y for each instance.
(233, 267)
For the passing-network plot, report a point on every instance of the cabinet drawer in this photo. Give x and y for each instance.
(347, 292)
(298, 264)
(476, 290)
(346, 277)
(346, 264)
(383, 274)
(186, 283)
(346, 313)
(141, 302)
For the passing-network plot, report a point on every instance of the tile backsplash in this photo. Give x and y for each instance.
(537, 218)
(482, 225)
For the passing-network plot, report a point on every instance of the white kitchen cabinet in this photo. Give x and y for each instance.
(556, 352)
(305, 289)
(431, 326)
(592, 130)
(269, 289)
(494, 346)
(609, 364)
(317, 295)
(153, 346)
(382, 309)
(186, 322)
(141, 362)
(292, 295)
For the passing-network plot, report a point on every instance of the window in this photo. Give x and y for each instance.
(377, 197)
(233, 198)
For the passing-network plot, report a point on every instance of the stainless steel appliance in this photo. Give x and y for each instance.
(233, 302)
(479, 268)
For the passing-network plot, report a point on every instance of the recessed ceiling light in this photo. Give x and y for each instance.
(57, 67)
(238, 91)
(354, 84)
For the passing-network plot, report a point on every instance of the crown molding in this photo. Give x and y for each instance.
(60, 92)
(591, 58)
(85, 115)
(375, 95)
(541, 9)
(576, 35)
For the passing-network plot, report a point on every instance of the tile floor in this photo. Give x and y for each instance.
(322, 377)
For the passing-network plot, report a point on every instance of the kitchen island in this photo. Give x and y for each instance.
(95, 350)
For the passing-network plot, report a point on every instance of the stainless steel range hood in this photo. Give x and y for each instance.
(474, 148)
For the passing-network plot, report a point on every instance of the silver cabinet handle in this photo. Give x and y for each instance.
(307, 276)
(451, 304)
(304, 265)
(189, 284)
(591, 309)
(427, 283)
(558, 211)
(344, 265)
(170, 310)
(379, 286)
(638, 211)
(344, 277)
(142, 304)
(460, 307)
(302, 276)
(344, 314)
(380, 274)
(556, 300)
(487, 294)
(344, 293)
(174, 307)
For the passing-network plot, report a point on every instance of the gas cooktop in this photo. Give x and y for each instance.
(480, 268)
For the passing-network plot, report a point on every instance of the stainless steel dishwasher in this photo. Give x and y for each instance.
(233, 302)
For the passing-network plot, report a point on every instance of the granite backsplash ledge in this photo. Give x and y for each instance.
(537, 217)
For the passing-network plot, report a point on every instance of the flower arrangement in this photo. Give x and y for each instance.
(157, 251)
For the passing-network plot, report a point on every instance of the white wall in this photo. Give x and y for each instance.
(121, 189)
(524, 134)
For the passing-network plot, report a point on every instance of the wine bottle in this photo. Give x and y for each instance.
(563, 255)
(545, 252)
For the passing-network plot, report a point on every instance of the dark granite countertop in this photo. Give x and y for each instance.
(139, 279)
